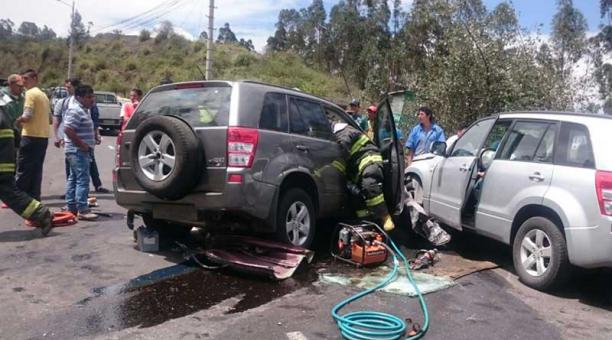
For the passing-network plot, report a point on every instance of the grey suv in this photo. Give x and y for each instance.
(226, 155)
(538, 181)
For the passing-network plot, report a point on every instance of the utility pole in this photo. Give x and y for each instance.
(71, 42)
(209, 46)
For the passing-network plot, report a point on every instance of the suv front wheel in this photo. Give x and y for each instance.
(539, 253)
(295, 220)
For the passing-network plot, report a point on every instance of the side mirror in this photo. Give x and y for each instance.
(438, 149)
(485, 159)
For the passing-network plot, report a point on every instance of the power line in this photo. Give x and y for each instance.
(148, 21)
(146, 15)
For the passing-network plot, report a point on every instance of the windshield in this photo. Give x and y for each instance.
(199, 106)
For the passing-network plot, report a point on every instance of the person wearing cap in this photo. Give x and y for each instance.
(353, 111)
(371, 110)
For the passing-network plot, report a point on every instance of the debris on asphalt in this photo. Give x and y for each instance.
(147, 239)
(424, 259)
(275, 260)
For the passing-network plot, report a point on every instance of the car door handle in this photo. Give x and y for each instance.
(536, 176)
(301, 148)
(464, 168)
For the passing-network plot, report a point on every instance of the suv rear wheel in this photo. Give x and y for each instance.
(539, 253)
(295, 220)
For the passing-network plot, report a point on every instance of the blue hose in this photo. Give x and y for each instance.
(365, 325)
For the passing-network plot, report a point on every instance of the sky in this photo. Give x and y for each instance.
(248, 19)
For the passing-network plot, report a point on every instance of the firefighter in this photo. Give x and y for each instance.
(17, 200)
(364, 171)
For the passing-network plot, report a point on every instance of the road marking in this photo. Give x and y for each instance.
(296, 336)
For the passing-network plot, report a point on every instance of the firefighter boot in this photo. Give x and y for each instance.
(46, 223)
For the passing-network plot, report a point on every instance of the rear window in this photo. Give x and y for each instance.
(199, 106)
(102, 98)
(575, 147)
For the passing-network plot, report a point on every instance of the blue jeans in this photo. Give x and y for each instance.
(77, 186)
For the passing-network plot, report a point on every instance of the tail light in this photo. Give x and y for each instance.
(241, 146)
(603, 185)
(118, 149)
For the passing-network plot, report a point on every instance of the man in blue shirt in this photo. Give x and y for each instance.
(423, 135)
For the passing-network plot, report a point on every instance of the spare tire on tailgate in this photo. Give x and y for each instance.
(166, 157)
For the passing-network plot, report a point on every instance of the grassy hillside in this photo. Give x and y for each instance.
(118, 63)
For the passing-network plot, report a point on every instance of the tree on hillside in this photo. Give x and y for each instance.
(226, 35)
(203, 36)
(6, 28)
(289, 32)
(248, 44)
(144, 35)
(164, 31)
(569, 43)
(28, 29)
(606, 10)
(77, 30)
(47, 34)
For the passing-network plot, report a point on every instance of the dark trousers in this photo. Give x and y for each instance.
(93, 171)
(19, 201)
(30, 159)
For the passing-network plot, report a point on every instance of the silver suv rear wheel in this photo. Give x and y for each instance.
(295, 220)
(539, 252)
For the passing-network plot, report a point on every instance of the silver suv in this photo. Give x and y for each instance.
(226, 155)
(540, 182)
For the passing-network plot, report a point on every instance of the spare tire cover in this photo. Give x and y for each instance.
(166, 157)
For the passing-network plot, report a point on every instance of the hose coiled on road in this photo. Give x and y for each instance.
(366, 325)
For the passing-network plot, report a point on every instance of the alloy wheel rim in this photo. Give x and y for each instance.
(157, 156)
(297, 223)
(536, 252)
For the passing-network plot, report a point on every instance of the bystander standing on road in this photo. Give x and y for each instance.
(34, 136)
(353, 111)
(14, 108)
(93, 167)
(58, 116)
(79, 140)
(422, 136)
(452, 139)
(128, 108)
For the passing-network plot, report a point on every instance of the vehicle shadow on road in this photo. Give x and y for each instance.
(590, 287)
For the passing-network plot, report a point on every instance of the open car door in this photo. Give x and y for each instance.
(387, 138)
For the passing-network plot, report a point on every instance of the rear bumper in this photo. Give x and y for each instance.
(109, 123)
(591, 247)
(252, 198)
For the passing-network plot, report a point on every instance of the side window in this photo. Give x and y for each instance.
(544, 153)
(524, 140)
(274, 113)
(574, 146)
(497, 134)
(469, 144)
(309, 119)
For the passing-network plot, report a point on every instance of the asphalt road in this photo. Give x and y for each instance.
(88, 280)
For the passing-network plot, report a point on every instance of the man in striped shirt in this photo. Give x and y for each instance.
(79, 141)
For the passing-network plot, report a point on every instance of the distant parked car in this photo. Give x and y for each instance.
(58, 94)
(546, 189)
(109, 108)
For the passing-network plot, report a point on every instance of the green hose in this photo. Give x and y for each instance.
(365, 325)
